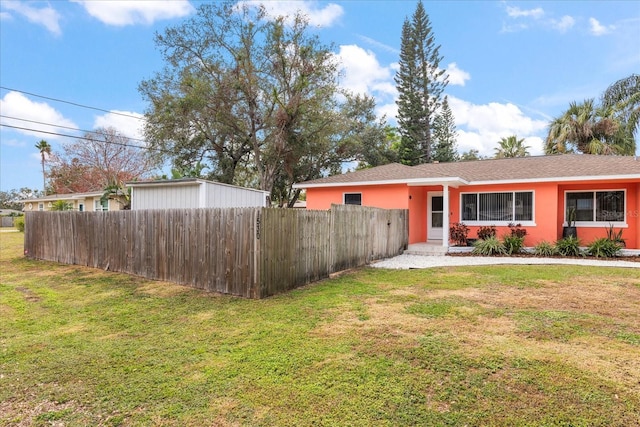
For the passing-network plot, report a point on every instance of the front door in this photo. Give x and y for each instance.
(435, 213)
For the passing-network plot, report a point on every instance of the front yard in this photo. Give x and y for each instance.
(498, 345)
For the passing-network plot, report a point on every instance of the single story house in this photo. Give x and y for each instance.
(193, 193)
(83, 202)
(536, 192)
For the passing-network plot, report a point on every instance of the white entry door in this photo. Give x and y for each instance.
(435, 214)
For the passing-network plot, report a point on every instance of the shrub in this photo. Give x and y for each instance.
(489, 246)
(19, 223)
(516, 231)
(512, 244)
(458, 233)
(545, 248)
(486, 232)
(604, 248)
(615, 237)
(569, 246)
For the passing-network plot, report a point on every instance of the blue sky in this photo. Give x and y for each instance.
(512, 65)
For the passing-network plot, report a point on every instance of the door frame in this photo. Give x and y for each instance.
(438, 234)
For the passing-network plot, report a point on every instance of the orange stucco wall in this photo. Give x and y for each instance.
(548, 207)
(544, 215)
(379, 196)
(631, 233)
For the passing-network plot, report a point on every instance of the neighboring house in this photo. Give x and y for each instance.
(535, 192)
(193, 193)
(83, 202)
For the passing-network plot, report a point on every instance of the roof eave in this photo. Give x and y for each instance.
(452, 181)
(559, 179)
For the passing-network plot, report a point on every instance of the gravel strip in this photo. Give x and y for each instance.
(406, 262)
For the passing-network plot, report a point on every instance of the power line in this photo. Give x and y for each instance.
(86, 138)
(72, 103)
(65, 127)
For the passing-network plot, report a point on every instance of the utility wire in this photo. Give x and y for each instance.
(85, 138)
(72, 103)
(64, 127)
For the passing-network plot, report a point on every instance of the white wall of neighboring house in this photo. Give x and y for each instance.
(193, 193)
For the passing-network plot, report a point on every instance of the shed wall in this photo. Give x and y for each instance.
(175, 197)
(222, 196)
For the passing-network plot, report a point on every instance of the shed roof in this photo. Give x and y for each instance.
(565, 167)
(184, 181)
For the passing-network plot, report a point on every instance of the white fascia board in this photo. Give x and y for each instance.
(457, 181)
(453, 181)
(559, 179)
(162, 184)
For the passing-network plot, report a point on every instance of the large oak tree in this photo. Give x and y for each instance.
(244, 93)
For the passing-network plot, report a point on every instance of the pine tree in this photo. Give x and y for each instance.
(445, 135)
(420, 83)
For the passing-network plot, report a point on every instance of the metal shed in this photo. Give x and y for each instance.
(193, 193)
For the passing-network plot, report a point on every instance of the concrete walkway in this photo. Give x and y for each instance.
(407, 261)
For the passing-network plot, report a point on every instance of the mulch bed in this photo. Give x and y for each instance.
(634, 258)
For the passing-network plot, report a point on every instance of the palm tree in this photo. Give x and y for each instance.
(589, 129)
(624, 97)
(44, 148)
(511, 146)
(61, 205)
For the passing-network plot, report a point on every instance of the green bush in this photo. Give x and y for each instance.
(604, 248)
(545, 248)
(512, 243)
(569, 246)
(19, 223)
(489, 246)
(615, 236)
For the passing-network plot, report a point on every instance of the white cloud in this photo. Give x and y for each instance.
(362, 71)
(480, 127)
(563, 24)
(516, 12)
(597, 29)
(512, 28)
(457, 77)
(378, 44)
(389, 110)
(129, 124)
(13, 142)
(122, 13)
(320, 17)
(45, 16)
(15, 104)
(523, 19)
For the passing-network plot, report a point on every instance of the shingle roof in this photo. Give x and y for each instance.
(561, 167)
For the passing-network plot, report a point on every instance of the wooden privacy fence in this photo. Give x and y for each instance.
(250, 252)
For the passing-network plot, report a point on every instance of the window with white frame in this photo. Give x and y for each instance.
(40, 206)
(353, 198)
(512, 206)
(101, 205)
(602, 206)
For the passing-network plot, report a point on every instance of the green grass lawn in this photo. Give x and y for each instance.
(482, 346)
